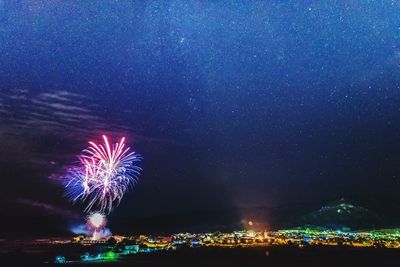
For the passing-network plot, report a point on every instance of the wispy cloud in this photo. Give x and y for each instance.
(48, 208)
(28, 119)
(60, 113)
(43, 125)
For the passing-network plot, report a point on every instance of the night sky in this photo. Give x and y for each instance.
(232, 104)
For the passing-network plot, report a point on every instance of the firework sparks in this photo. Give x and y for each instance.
(104, 173)
(96, 220)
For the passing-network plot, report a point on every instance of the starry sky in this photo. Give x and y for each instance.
(232, 104)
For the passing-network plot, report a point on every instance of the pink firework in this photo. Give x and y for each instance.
(105, 172)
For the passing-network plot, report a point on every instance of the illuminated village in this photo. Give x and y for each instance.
(117, 247)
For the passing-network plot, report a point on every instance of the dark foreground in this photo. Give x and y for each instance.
(274, 257)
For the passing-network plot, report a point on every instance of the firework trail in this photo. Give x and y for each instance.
(103, 175)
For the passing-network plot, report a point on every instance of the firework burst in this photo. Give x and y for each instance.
(96, 220)
(104, 173)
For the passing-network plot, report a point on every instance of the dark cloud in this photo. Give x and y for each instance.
(49, 209)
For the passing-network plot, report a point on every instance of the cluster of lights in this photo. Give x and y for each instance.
(389, 238)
